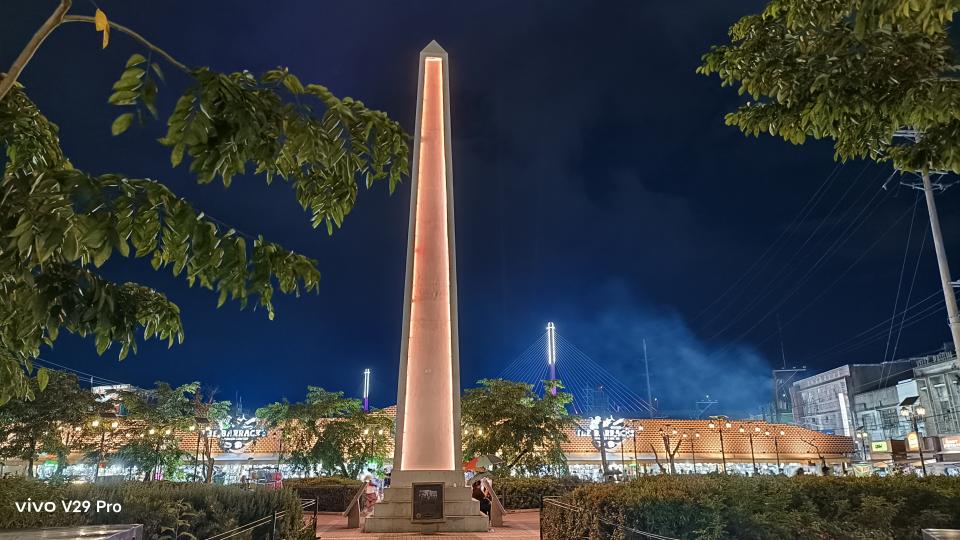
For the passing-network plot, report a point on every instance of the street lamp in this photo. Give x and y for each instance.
(862, 437)
(720, 423)
(103, 440)
(914, 414)
(776, 447)
(636, 463)
(693, 449)
(750, 433)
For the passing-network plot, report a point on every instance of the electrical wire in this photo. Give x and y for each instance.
(807, 208)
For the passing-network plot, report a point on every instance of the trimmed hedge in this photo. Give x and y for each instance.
(218, 508)
(759, 508)
(333, 492)
(518, 492)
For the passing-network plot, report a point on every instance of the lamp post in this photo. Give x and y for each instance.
(693, 449)
(862, 437)
(915, 413)
(636, 463)
(720, 423)
(750, 433)
(102, 424)
(776, 447)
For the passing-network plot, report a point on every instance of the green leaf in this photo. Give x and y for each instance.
(121, 124)
(123, 97)
(42, 378)
(135, 60)
(176, 155)
(156, 69)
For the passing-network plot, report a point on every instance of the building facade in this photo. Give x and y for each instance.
(632, 447)
(938, 382)
(823, 402)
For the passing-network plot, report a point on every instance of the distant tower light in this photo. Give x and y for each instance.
(366, 390)
(552, 353)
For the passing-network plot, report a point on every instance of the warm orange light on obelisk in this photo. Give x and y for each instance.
(428, 415)
(427, 458)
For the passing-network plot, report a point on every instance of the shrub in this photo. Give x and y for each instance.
(332, 492)
(517, 492)
(154, 504)
(759, 508)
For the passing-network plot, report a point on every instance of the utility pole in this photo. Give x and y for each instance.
(646, 364)
(927, 186)
(948, 294)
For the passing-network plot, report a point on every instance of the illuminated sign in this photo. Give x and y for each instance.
(913, 443)
(614, 432)
(950, 443)
(879, 446)
(236, 433)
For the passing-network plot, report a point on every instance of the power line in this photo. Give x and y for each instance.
(769, 288)
(808, 207)
(87, 376)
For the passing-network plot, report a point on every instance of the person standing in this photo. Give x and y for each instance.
(370, 493)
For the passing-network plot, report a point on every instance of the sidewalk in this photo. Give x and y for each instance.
(520, 525)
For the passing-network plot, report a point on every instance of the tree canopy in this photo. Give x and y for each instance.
(52, 423)
(328, 433)
(508, 419)
(855, 71)
(59, 225)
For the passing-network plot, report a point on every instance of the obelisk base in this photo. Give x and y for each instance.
(461, 512)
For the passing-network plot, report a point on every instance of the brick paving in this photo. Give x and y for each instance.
(518, 525)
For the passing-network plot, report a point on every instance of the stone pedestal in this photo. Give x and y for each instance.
(461, 513)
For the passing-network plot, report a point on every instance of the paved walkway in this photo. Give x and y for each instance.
(519, 525)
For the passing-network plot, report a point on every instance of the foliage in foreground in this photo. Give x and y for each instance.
(59, 225)
(854, 71)
(332, 493)
(206, 509)
(519, 492)
(760, 508)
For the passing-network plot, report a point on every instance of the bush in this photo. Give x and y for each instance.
(517, 492)
(759, 508)
(333, 492)
(154, 504)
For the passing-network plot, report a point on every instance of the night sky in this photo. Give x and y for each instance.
(596, 186)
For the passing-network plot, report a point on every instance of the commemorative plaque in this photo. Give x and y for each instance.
(427, 502)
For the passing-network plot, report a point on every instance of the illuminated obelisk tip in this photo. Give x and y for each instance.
(428, 398)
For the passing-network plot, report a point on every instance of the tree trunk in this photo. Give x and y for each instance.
(517, 459)
(31, 457)
(656, 458)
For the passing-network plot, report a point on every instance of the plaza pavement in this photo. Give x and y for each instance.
(519, 525)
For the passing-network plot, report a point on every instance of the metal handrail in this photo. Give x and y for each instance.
(355, 500)
(555, 501)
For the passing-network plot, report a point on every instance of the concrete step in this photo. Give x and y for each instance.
(405, 509)
(376, 524)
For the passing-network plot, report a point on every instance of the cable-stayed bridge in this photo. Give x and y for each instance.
(595, 390)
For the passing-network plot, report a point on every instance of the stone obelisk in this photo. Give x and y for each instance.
(427, 439)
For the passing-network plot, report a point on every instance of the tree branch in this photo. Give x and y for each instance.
(26, 54)
(517, 459)
(142, 40)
